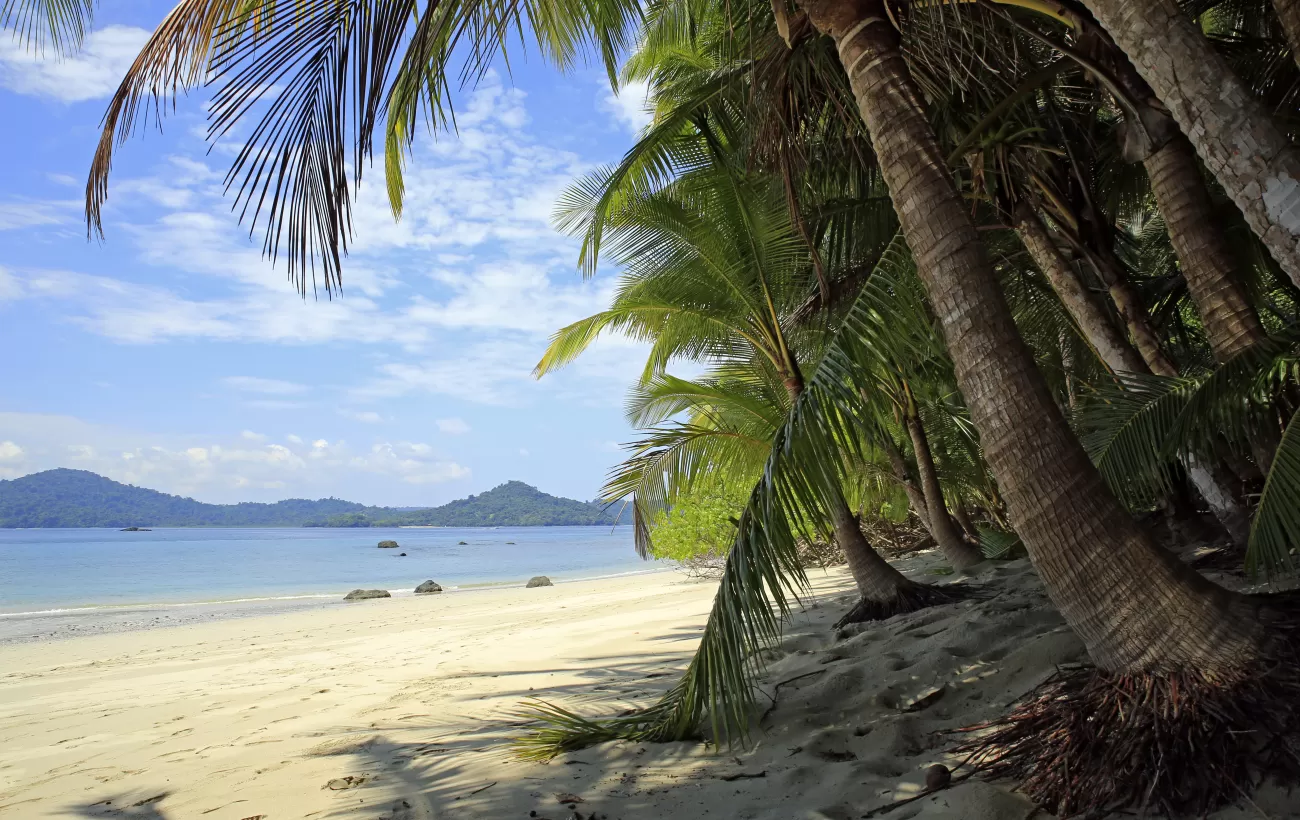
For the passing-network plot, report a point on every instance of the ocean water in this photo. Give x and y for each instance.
(47, 571)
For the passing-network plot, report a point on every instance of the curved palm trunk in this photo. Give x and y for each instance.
(915, 496)
(884, 590)
(1135, 606)
(1082, 305)
(1120, 356)
(876, 578)
(1231, 130)
(1288, 14)
(960, 555)
(1203, 254)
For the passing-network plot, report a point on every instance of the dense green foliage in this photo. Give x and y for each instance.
(77, 498)
(703, 524)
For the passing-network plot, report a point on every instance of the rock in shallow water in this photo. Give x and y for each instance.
(387, 545)
(427, 587)
(363, 594)
(539, 581)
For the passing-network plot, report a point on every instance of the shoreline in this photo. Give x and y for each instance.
(408, 708)
(64, 622)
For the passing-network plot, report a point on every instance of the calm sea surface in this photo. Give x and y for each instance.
(43, 570)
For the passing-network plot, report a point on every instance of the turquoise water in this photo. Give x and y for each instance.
(43, 570)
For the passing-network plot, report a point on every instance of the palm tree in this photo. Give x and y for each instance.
(1241, 144)
(714, 271)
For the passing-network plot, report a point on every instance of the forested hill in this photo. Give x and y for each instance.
(77, 498)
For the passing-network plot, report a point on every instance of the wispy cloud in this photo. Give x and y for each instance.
(216, 468)
(630, 107)
(453, 427)
(270, 387)
(94, 71)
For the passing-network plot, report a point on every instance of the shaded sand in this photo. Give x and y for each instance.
(402, 708)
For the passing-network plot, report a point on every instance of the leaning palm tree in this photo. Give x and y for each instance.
(1149, 623)
(1239, 140)
(714, 270)
(1094, 560)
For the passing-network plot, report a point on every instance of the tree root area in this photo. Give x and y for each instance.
(910, 598)
(1087, 742)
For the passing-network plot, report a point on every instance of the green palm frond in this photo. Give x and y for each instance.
(1275, 531)
(1136, 426)
(62, 24)
(808, 463)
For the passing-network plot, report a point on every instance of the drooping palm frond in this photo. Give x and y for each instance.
(1136, 426)
(1275, 531)
(318, 77)
(61, 24)
(801, 481)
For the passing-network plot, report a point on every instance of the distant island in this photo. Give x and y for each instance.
(78, 498)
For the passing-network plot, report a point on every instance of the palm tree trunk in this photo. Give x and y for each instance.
(1203, 254)
(1083, 307)
(1120, 356)
(1131, 311)
(876, 578)
(1135, 606)
(960, 555)
(1230, 322)
(915, 496)
(1288, 14)
(1234, 134)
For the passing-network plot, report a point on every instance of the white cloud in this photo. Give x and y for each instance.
(216, 467)
(15, 215)
(630, 107)
(365, 416)
(94, 71)
(270, 387)
(453, 427)
(523, 452)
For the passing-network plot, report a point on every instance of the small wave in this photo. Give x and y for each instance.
(89, 608)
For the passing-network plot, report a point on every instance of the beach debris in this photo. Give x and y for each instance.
(387, 545)
(428, 587)
(937, 776)
(927, 698)
(363, 594)
(479, 789)
(743, 776)
(339, 784)
(565, 797)
(539, 581)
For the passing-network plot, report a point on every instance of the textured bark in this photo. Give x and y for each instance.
(1135, 606)
(1231, 130)
(915, 497)
(1203, 253)
(876, 578)
(1087, 312)
(1288, 14)
(1131, 312)
(960, 555)
(962, 517)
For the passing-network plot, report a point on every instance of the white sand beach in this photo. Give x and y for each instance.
(403, 708)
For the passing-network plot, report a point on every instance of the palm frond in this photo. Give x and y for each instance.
(62, 24)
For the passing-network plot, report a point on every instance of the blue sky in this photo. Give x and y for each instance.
(173, 356)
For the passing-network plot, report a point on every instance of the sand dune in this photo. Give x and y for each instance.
(402, 709)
